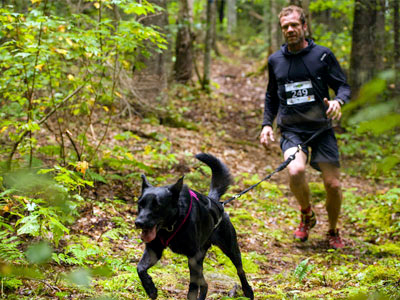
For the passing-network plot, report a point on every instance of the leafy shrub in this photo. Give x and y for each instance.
(63, 65)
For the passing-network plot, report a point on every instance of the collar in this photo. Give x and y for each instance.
(166, 243)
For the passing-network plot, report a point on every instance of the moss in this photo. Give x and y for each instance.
(317, 191)
(392, 249)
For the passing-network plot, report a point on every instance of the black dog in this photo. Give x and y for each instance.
(189, 223)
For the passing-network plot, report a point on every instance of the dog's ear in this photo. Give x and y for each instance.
(177, 187)
(145, 183)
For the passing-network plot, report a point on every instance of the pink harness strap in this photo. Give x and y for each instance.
(192, 195)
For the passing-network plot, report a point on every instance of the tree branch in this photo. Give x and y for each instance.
(69, 135)
(44, 119)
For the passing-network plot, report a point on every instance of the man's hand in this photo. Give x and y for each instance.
(267, 133)
(334, 110)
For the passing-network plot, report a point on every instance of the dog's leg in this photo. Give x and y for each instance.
(149, 259)
(198, 285)
(225, 238)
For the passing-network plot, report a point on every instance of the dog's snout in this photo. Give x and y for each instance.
(139, 223)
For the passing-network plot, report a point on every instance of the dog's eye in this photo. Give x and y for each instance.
(141, 203)
(149, 201)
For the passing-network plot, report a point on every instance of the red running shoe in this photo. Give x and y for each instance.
(334, 239)
(307, 222)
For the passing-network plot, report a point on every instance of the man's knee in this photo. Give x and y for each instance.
(333, 184)
(331, 177)
(297, 167)
(297, 171)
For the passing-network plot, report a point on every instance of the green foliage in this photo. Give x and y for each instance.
(373, 156)
(11, 283)
(39, 253)
(317, 190)
(53, 60)
(302, 269)
(41, 205)
(79, 277)
(387, 249)
(9, 251)
(78, 254)
(72, 181)
(376, 214)
(382, 217)
(44, 222)
(242, 216)
(376, 110)
(333, 32)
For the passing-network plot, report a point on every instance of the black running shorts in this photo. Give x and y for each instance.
(323, 147)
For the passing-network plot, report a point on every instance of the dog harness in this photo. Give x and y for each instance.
(192, 195)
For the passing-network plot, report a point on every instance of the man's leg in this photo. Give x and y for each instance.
(301, 191)
(297, 177)
(331, 178)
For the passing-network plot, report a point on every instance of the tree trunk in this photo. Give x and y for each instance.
(267, 23)
(295, 2)
(183, 66)
(276, 35)
(214, 29)
(396, 31)
(380, 34)
(232, 16)
(363, 58)
(306, 5)
(208, 42)
(152, 80)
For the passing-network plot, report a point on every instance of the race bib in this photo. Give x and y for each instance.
(299, 92)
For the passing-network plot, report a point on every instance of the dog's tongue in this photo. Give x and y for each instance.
(148, 234)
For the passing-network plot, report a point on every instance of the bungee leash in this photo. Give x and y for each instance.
(281, 167)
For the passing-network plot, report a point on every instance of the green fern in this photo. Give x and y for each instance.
(302, 269)
(9, 250)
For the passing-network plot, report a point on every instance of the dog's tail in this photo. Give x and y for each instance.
(221, 177)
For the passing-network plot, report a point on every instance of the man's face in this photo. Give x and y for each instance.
(292, 28)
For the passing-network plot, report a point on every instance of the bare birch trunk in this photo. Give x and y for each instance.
(208, 42)
(232, 16)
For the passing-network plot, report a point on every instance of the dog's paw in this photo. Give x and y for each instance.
(153, 294)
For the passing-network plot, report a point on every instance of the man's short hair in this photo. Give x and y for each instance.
(291, 9)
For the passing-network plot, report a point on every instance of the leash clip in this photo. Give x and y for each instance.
(170, 229)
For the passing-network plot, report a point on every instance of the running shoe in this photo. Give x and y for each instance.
(334, 239)
(307, 222)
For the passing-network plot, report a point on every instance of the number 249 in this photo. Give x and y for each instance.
(299, 93)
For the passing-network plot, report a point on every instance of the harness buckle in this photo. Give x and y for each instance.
(170, 229)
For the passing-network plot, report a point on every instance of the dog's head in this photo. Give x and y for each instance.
(157, 206)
